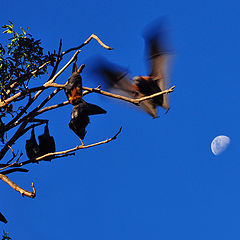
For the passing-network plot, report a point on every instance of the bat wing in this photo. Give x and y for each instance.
(86, 109)
(158, 55)
(114, 77)
(78, 125)
(32, 148)
(46, 144)
(92, 109)
(2, 218)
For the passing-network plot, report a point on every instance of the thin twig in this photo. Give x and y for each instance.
(33, 160)
(6, 172)
(127, 99)
(10, 165)
(52, 107)
(76, 148)
(61, 71)
(17, 188)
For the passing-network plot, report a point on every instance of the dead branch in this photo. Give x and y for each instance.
(61, 71)
(52, 107)
(6, 172)
(10, 165)
(18, 165)
(86, 42)
(17, 188)
(127, 99)
(25, 76)
(62, 153)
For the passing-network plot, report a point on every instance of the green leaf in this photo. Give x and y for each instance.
(6, 26)
(8, 31)
(10, 22)
(23, 30)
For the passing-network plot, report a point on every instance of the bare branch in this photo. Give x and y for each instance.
(86, 42)
(25, 76)
(127, 99)
(75, 148)
(14, 170)
(10, 165)
(52, 107)
(17, 188)
(17, 134)
(61, 71)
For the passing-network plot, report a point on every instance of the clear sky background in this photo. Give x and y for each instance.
(159, 179)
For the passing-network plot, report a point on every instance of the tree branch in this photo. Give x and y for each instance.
(17, 188)
(66, 152)
(14, 170)
(127, 99)
(86, 42)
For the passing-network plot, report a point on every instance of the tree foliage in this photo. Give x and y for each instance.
(21, 55)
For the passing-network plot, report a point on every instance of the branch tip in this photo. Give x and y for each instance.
(115, 136)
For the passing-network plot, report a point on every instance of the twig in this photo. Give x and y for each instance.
(17, 188)
(25, 76)
(76, 148)
(10, 165)
(52, 107)
(33, 161)
(6, 172)
(61, 71)
(127, 99)
(14, 138)
(86, 42)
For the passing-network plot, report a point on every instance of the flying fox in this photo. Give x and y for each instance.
(73, 89)
(46, 143)
(32, 148)
(80, 117)
(118, 79)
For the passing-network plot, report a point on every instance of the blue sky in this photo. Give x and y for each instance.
(159, 179)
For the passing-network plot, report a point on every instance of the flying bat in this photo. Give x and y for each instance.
(32, 148)
(80, 117)
(73, 89)
(141, 86)
(2, 218)
(46, 142)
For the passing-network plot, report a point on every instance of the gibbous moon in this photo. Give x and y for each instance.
(219, 144)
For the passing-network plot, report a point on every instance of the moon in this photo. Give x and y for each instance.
(219, 144)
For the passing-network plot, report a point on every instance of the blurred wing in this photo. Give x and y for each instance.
(159, 74)
(115, 77)
(158, 54)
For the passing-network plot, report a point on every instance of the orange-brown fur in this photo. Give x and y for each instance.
(75, 96)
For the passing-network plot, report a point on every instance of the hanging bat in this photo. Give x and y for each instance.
(32, 148)
(46, 143)
(73, 89)
(80, 117)
(2, 218)
(118, 79)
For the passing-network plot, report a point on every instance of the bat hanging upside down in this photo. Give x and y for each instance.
(80, 117)
(46, 143)
(73, 89)
(141, 86)
(32, 148)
